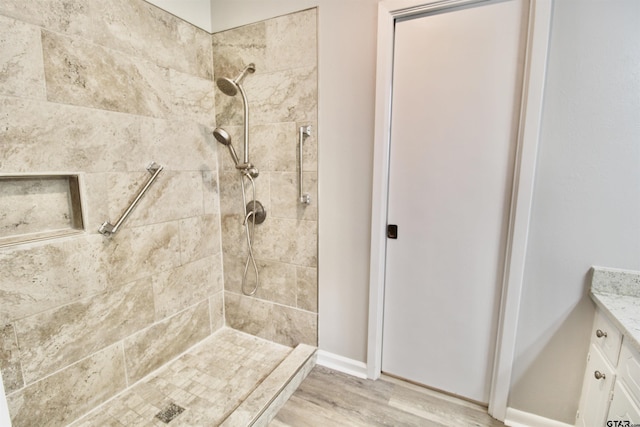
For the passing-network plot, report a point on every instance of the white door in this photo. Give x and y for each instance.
(455, 109)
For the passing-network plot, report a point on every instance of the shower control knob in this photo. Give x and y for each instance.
(306, 199)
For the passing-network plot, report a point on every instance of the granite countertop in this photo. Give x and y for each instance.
(617, 293)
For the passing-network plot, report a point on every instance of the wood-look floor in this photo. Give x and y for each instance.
(329, 398)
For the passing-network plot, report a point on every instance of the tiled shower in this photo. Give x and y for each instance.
(98, 90)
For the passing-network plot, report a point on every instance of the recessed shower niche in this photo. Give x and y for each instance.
(34, 207)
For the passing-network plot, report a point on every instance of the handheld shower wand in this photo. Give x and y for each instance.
(225, 139)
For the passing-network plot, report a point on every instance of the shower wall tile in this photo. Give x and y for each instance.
(176, 144)
(133, 27)
(156, 345)
(284, 196)
(284, 325)
(211, 192)
(216, 310)
(307, 288)
(284, 96)
(185, 286)
(291, 41)
(172, 196)
(10, 359)
(21, 67)
(57, 338)
(287, 240)
(44, 137)
(41, 276)
(67, 394)
(192, 97)
(236, 48)
(94, 190)
(81, 73)
(199, 237)
(100, 89)
(277, 280)
(142, 251)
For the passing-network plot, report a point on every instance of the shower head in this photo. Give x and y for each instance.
(224, 138)
(230, 87)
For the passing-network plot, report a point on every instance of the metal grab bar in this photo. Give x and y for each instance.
(304, 198)
(107, 228)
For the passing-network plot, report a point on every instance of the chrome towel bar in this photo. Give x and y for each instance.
(304, 198)
(107, 228)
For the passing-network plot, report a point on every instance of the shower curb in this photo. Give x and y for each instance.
(264, 402)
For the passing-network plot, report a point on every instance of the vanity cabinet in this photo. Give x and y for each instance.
(611, 384)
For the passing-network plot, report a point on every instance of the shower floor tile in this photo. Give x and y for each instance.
(209, 382)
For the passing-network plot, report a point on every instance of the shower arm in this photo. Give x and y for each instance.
(246, 124)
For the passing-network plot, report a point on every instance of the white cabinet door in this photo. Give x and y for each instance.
(597, 385)
(623, 407)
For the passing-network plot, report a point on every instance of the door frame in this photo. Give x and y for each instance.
(521, 195)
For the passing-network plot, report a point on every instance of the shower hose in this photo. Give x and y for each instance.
(249, 214)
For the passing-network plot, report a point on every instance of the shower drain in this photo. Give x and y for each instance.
(169, 413)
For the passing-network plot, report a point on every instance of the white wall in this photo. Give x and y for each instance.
(586, 207)
(5, 419)
(226, 14)
(197, 12)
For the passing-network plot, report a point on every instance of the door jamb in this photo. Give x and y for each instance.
(521, 198)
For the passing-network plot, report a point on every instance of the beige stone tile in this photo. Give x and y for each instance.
(307, 289)
(176, 144)
(64, 396)
(38, 277)
(57, 338)
(291, 41)
(10, 359)
(285, 198)
(284, 325)
(21, 67)
(85, 74)
(282, 96)
(234, 49)
(94, 189)
(211, 192)
(286, 240)
(216, 309)
(44, 137)
(186, 285)
(199, 237)
(154, 346)
(275, 146)
(133, 27)
(139, 252)
(192, 98)
(231, 192)
(234, 242)
(277, 282)
(172, 196)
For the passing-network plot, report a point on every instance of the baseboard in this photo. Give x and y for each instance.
(342, 364)
(516, 418)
